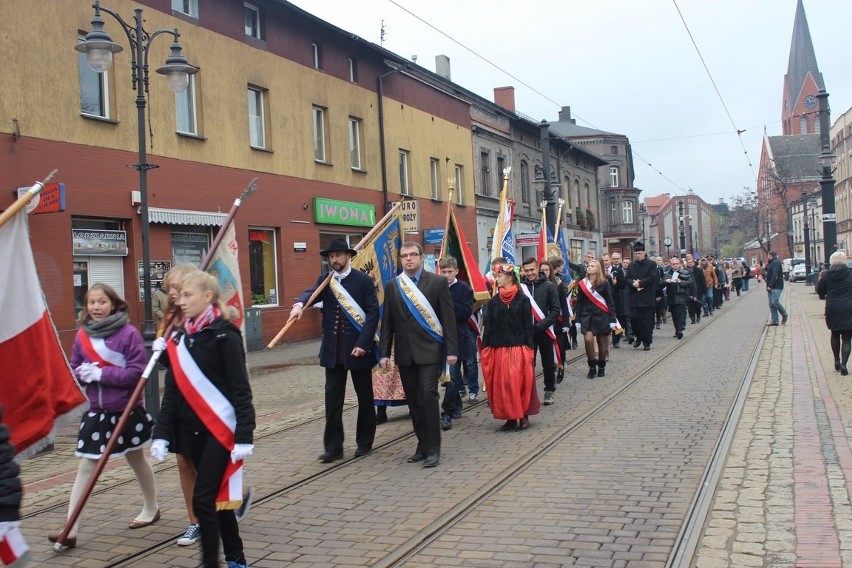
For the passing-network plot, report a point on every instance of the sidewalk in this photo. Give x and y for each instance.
(784, 496)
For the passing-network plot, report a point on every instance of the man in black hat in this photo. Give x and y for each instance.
(642, 278)
(350, 316)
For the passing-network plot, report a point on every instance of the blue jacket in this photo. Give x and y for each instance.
(363, 290)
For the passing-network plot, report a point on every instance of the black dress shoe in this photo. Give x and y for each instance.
(647, 348)
(418, 457)
(431, 460)
(363, 451)
(679, 335)
(328, 457)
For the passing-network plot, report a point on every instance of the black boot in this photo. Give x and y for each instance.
(601, 367)
(837, 364)
(381, 414)
(593, 372)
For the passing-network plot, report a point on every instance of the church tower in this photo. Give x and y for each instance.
(802, 82)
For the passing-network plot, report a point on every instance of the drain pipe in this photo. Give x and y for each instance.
(381, 108)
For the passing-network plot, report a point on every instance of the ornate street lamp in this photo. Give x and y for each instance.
(826, 182)
(807, 228)
(99, 49)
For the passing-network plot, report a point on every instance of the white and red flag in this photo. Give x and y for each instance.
(37, 389)
(13, 547)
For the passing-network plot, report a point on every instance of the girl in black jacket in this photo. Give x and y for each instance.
(595, 312)
(206, 390)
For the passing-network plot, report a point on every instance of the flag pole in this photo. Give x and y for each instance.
(497, 248)
(24, 200)
(379, 226)
(558, 220)
(140, 385)
(450, 190)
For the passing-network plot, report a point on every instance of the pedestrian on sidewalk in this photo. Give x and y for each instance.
(774, 288)
(544, 301)
(109, 357)
(835, 287)
(418, 320)
(350, 317)
(508, 351)
(462, 295)
(595, 311)
(207, 406)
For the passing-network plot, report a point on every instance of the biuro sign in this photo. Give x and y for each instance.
(408, 211)
(333, 212)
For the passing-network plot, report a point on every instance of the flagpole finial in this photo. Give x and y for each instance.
(506, 172)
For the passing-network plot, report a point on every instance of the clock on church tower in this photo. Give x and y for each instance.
(810, 102)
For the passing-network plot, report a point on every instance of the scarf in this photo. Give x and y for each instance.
(106, 326)
(508, 294)
(193, 326)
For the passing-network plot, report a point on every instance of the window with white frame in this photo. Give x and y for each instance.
(613, 176)
(459, 185)
(355, 142)
(627, 212)
(188, 7)
(94, 89)
(434, 173)
(319, 133)
(353, 69)
(252, 20)
(263, 269)
(186, 115)
(257, 117)
(404, 173)
(316, 51)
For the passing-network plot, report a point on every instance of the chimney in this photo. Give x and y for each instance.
(505, 97)
(565, 115)
(442, 66)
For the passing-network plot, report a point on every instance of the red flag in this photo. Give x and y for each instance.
(456, 246)
(38, 387)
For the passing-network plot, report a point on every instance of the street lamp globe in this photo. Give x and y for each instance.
(98, 46)
(177, 69)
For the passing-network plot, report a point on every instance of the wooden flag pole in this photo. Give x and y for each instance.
(140, 385)
(23, 200)
(558, 221)
(325, 282)
(450, 191)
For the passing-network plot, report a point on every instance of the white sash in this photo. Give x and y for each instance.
(347, 302)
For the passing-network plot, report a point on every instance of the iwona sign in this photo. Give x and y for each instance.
(333, 212)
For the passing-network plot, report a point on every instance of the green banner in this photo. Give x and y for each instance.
(333, 212)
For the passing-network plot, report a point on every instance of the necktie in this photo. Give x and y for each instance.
(414, 279)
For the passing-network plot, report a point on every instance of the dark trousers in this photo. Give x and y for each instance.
(335, 393)
(738, 285)
(694, 309)
(545, 346)
(452, 403)
(717, 297)
(210, 459)
(420, 383)
(643, 324)
(678, 316)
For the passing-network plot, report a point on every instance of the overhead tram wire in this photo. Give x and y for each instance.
(522, 82)
(716, 88)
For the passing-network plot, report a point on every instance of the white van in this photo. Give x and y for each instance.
(787, 266)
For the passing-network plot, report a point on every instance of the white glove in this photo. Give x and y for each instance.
(159, 344)
(241, 451)
(159, 449)
(91, 373)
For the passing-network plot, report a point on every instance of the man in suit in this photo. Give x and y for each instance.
(418, 320)
(642, 278)
(350, 316)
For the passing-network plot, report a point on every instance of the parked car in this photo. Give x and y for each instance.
(787, 266)
(798, 273)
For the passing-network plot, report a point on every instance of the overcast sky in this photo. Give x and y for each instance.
(627, 66)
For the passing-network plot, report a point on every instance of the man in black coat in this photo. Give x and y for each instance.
(546, 297)
(350, 316)
(642, 278)
(695, 307)
(420, 354)
(680, 288)
(462, 295)
(774, 288)
(620, 299)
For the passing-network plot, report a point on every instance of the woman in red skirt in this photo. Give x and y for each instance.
(507, 352)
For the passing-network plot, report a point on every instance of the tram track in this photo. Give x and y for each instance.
(410, 548)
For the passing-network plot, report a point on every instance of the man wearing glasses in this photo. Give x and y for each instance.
(418, 321)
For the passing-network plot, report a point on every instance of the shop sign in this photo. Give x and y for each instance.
(526, 239)
(189, 247)
(333, 212)
(433, 236)
(300, 247)
(88, 242)
(51, 199)
(410, 224)
(583, 235)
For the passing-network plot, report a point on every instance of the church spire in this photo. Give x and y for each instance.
(803, 79)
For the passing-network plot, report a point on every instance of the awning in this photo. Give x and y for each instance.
(184, 217)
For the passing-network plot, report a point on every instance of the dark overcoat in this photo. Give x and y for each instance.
(836, 287)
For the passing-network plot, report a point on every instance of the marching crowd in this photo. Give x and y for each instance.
(427, 330)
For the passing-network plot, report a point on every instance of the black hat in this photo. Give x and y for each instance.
(338, 245)
(639, 246)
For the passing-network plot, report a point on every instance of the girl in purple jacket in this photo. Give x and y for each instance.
(109, 358)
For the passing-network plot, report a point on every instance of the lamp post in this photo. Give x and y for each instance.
(807, 229)
(99, 49)
(681, 228)
(548, 185)
(826, 182)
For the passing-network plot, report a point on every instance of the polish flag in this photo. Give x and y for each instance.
(38, 388)
(13, 547)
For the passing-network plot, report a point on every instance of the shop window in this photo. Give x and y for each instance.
(263, 267)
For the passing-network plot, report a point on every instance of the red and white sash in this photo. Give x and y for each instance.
(217, 413)
(96, 350)
(599, 302)
(538, 316)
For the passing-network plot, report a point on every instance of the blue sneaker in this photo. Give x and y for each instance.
(241, 513)
(235, 564)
